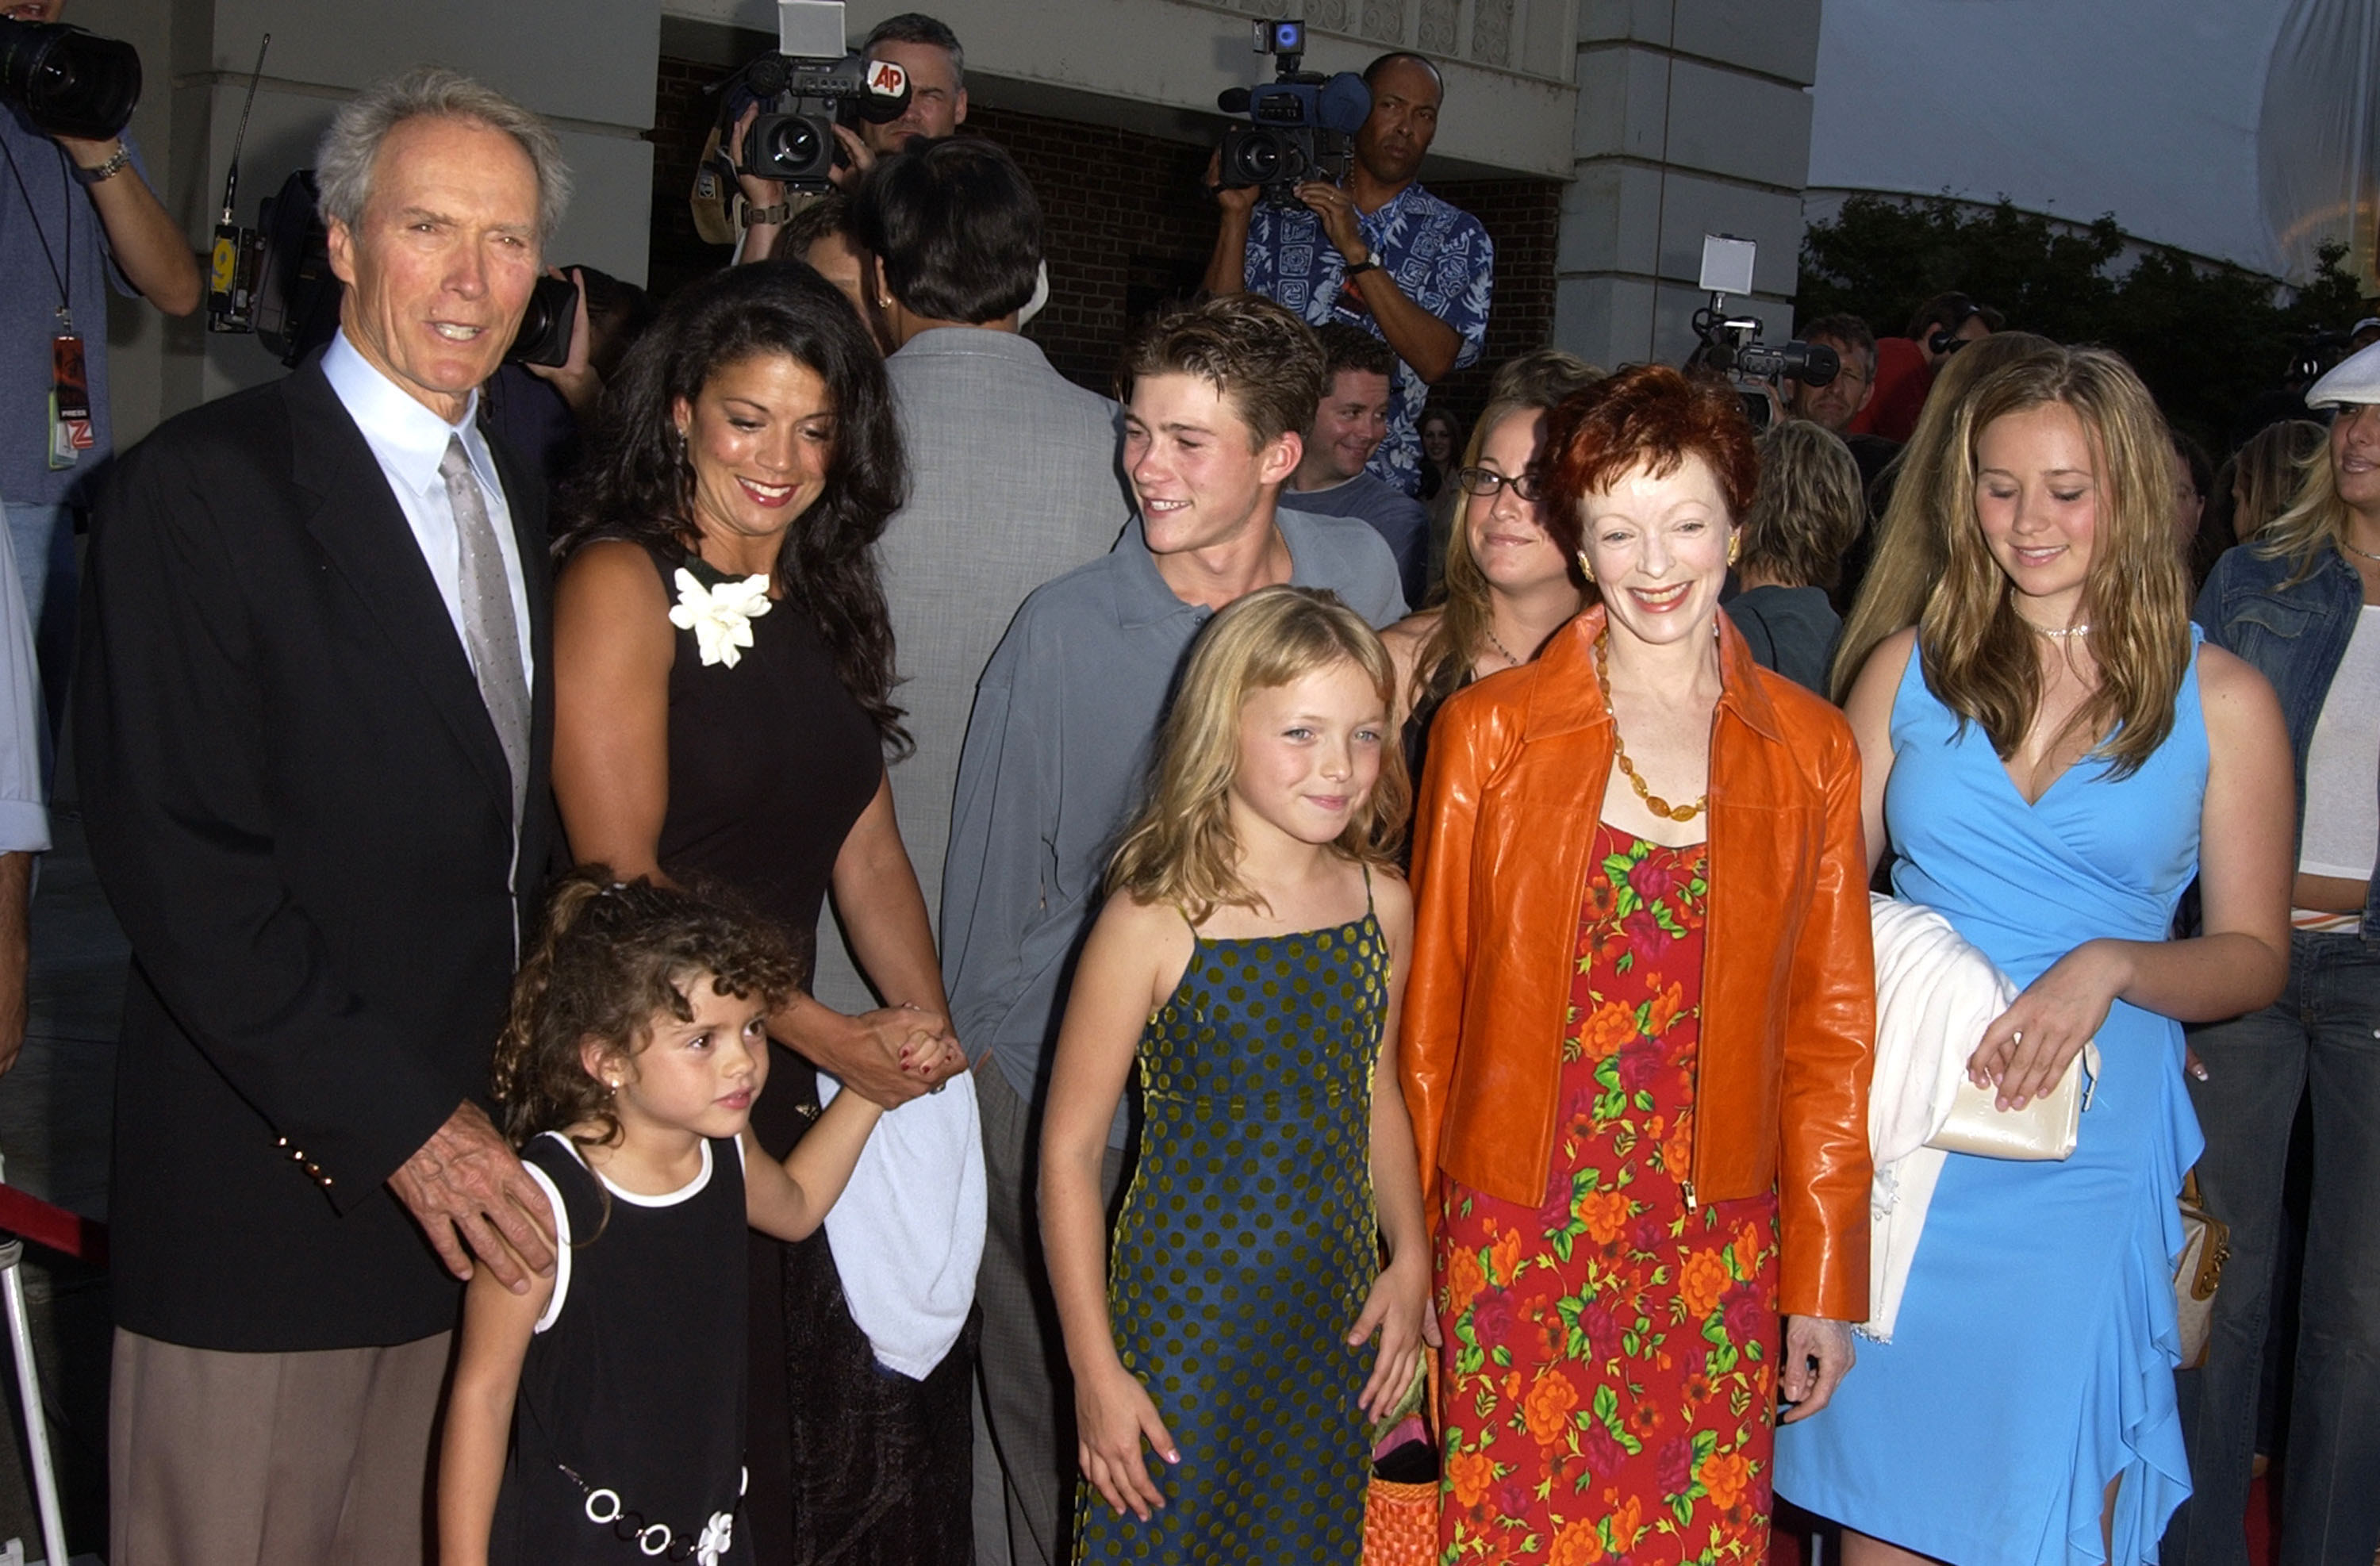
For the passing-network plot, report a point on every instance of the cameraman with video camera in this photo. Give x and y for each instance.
(928, 53)
(76, 215)
(1377, 251)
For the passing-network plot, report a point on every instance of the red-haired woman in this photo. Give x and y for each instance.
(1636, 1035)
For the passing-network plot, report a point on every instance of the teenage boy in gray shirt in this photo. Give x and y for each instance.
(1056, 754)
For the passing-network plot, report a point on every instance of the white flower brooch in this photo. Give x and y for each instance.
(720, 617)
(716, 1539)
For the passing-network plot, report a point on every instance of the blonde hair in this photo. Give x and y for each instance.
(1535, 383)
(1808, 508)
(1910, 550)
(2316, 518)
(1979, 653)
(1179, 849)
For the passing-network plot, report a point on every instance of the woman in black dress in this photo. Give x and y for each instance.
(723, 673)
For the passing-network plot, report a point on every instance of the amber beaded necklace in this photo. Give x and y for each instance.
(1653, 801)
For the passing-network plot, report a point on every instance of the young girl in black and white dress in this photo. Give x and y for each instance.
(599, 1417)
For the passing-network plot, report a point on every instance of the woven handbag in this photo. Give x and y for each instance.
(1400, 1514)
(2205, 1246)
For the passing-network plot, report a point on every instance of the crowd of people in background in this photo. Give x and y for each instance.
(1362, 944)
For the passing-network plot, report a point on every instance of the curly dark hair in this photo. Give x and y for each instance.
(613, 957)
(637, 483)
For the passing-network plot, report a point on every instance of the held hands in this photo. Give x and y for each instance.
(1112, 1414)
(2027, 1049)
(467, 1179)
(1818, 1353)
(1398, 1309)
(893, 1054)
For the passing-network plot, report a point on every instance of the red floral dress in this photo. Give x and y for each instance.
(1610, 1366)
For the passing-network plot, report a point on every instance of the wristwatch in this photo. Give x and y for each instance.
(1371, 262)
(117, 164)
(776, 215)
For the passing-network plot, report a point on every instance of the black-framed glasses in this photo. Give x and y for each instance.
(1486, 482)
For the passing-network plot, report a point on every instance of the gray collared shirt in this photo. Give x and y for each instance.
(1057, 754)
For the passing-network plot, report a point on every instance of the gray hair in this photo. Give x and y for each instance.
(342, 163)
(916, 27)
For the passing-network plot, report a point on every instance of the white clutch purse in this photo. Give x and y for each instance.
(2043, 1131)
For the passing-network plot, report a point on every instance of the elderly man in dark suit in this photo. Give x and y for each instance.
(314, 720)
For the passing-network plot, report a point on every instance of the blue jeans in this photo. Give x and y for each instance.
(42, 538)
(2321, 1037)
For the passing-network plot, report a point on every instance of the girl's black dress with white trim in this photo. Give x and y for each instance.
(629, 1429)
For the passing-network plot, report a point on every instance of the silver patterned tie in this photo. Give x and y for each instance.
(491, 631)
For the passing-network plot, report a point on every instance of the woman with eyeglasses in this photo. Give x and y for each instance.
(1508, 587)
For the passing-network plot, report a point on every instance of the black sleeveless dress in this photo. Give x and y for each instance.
(629, 1427)
(771, 763)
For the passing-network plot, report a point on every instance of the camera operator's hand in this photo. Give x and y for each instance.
(575, 378)
(148, 245)
(1337, 210)
(1237, 201)
(846, 177)
(760, 192)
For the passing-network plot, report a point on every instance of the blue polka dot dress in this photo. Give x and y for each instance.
(1245, 1249)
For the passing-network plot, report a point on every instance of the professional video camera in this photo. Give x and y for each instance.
(808, 85)
(274, 280)
(1302, 123)
(1731, 344)
(68, 82)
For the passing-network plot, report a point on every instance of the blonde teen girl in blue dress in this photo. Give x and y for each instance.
(1249, 959)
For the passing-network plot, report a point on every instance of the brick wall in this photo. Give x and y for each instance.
(1127, 229)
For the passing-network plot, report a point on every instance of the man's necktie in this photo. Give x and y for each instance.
(491, 632)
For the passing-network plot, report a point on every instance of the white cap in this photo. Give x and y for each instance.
(2355, 379)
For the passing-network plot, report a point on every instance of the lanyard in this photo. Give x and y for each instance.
(61, 272)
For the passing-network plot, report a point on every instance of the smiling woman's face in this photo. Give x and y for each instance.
(2355, 457)
(759, 436)
(1657, 546)
(1506, 533)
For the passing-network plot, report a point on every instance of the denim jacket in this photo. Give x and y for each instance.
(2295, 633)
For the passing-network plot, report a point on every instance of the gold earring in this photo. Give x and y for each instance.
(1734, 547)
(1584, 568)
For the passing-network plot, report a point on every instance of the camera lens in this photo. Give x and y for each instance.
(67, 81)
(1257, 160)
(794, 149)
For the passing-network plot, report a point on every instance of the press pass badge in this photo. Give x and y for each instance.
(70, 433)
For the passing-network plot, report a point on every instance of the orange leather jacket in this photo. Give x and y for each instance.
(1518, 764)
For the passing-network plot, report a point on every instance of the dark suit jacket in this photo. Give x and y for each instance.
(300, 813)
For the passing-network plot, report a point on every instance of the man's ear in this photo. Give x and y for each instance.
(1867, 394)
(342, 252)
(958, 115)
(1279, 458)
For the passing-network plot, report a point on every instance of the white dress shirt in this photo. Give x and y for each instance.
(410, 441)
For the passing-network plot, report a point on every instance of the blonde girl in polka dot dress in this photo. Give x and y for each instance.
(1248, 963)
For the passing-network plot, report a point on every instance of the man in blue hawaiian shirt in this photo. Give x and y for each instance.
(1379, 252)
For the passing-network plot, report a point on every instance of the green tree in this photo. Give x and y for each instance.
(2207, 339)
